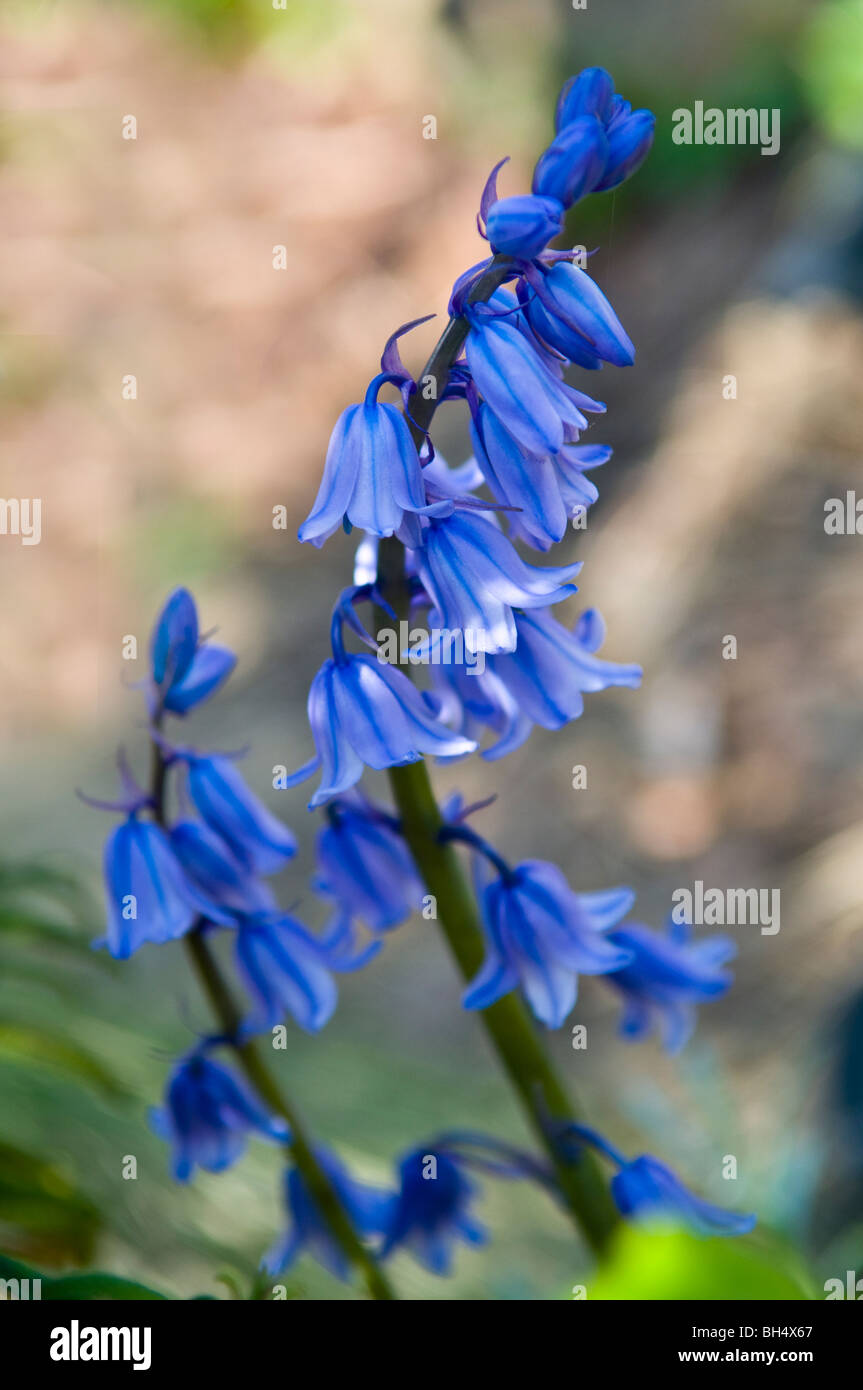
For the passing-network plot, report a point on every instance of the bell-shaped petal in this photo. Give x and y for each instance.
(286, 970)
(431, 1211)
(532, 403)
(629, 143)
(254, 835)
(475, 577)
(523, 226)
(372, 476)
(308, 1232)
(208, 1115)
(646, 1190)
(366, 866)
(665, 979)
(149, 896)
(544, 493)
(551, 670)
(213, 867)
(574, 162)
(568, 304)
(540, 937)
(209, 669)
(363, 712)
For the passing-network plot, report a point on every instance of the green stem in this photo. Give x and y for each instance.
(299, 1146)
(508, 1022)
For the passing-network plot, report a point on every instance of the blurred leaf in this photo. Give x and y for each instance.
(23, 1045)
(50, 1217)
(832, 65)
(90, 1286)
(668, 1265)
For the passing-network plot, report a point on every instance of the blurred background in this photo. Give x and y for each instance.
(153, 258)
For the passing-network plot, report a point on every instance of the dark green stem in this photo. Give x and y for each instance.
(299, 1146)
(508, 1022)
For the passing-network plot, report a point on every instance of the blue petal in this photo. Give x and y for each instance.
(209, 669)
(175, 638)
(231, 809)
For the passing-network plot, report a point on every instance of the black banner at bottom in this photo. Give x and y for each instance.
(220, 1338)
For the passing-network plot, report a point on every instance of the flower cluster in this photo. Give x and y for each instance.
(194, 850)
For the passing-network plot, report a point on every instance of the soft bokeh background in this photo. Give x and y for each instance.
(153, 257)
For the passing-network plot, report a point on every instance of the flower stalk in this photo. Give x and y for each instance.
(299, 1145)
(508, 1023)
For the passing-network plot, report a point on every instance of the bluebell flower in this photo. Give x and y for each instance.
(524, 225)
(364, 712)
(475, 578)
(569, 311)
(372, 476)
(185, 671)
(551, 669)
(540, 936)
(646, 1190)
(208, 1115)
(542, 682)
(212, 866)
(547, 492)
(666, 977)
(630, 137)
(521, 385)
(574, 162)
(149, 896)
(253, 834)
(287, 970)
(629, 133)
(432, 1210)
(364, 863)
(367, 1207)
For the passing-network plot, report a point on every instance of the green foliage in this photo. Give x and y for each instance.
(91, 1287)
(653, 1265)
(832, 65)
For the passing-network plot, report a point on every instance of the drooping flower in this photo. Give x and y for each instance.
(367, 1207)
(209, 862)
(520, 384)
(666, 978)
(545, 492)
(542, 682)
(208, 1115)
(524, 225)
(551, 669)
(431, 1211)
(475, 578)
(540, 936)
(569, 312)
(372, 476)
(646, 1190)
(364, 864)
(364, 712)
(185, 671)
(287, 970)
(149, 896)
(230, 808)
